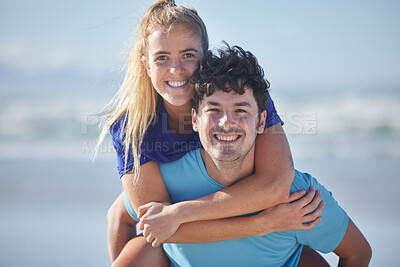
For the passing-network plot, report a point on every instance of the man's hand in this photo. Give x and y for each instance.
(298, 213)
(158, 221)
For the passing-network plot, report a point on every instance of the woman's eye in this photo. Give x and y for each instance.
(160, 58)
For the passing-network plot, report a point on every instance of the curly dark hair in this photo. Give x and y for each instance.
(232, 69)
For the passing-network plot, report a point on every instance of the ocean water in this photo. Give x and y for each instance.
(319, 125)
(54, 199)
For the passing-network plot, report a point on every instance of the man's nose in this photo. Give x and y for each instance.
(226, 121)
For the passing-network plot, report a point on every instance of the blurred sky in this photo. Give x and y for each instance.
(73, 52)
(314, 44)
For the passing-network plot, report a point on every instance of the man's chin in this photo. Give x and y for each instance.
(227, 156)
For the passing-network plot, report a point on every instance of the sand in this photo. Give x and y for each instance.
(53, 213)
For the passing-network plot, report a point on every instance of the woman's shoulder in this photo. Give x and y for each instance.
(117, 127)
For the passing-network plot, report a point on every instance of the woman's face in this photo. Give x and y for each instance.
(171, 60)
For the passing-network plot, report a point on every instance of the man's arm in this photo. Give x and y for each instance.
(354, 249)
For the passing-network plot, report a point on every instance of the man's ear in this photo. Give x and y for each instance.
(261, 123)
(146, 65)
(194, 121)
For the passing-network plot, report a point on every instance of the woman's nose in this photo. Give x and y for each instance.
(176, 67)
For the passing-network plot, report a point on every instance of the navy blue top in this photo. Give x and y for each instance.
(160, 143)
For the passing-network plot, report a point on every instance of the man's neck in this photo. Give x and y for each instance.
(228, 172)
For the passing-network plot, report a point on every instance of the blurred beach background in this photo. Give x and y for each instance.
(334, 69)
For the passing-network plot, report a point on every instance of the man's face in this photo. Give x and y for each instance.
(228, 124)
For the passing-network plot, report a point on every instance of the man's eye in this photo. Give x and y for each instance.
(241, 111)
(188, 55)
(213, 110)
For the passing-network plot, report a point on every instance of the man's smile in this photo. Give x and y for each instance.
(227, 138)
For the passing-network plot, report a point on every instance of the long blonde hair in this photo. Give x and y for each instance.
(136, 99)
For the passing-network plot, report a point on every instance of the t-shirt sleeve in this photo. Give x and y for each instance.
(272, 116)
(117, 136)
(129, 207)
(329, 232)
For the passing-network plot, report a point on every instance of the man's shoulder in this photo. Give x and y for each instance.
(301, 181)
(191, 158)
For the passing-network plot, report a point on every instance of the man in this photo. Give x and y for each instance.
(228, 113)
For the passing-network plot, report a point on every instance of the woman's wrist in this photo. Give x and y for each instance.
(262, 224)
(185, 211)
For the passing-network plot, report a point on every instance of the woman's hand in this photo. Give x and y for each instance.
(158, 221)
(298, 213)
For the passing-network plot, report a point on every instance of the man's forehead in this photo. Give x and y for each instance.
(236, 104)
(220, 98)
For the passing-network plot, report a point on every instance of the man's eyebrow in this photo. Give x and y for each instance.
(242, 104)
(238, 104)
(212, 103)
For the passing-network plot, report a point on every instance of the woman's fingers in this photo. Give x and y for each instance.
(309, 226)
(155, 243)
(302, 202)
(150, 238)
(141, 225)
(143, 209)
(313, 204)
(296, 196)
(314, 215)
(309, 208)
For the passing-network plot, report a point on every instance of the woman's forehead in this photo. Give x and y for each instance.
(175, 36)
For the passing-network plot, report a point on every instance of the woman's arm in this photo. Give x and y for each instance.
(149, 187)
(283, 217)
(268, 186)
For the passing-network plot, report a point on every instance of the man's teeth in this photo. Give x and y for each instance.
(227, 137)
(176, 84)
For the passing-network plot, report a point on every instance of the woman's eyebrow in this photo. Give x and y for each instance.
(182, 51)
(161, 53)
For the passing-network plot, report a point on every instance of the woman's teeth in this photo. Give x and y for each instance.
(176, 84)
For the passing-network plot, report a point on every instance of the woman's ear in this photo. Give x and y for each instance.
(146, 65)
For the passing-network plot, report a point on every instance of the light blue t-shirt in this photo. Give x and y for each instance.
(187, 179)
